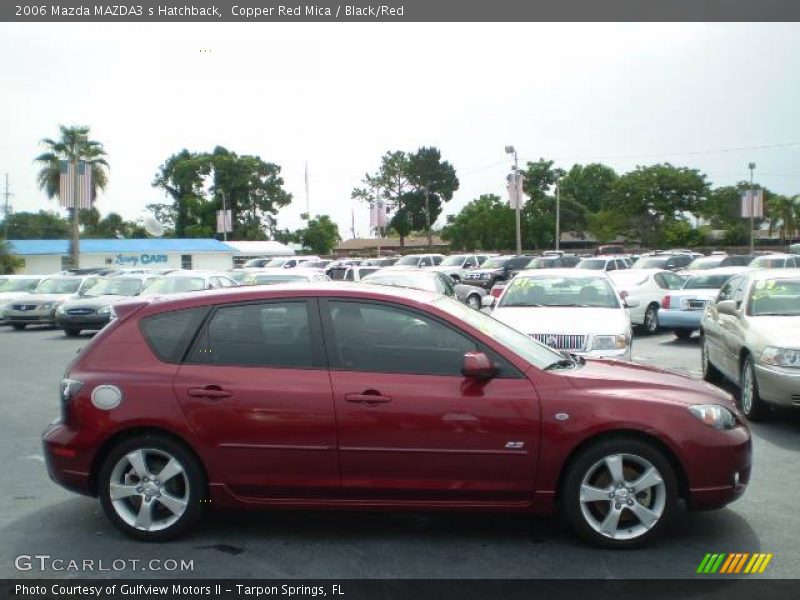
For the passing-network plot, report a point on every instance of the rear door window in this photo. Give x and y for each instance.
(169, 334)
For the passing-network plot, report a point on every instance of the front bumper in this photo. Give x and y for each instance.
(719, 471)
(93, 321)
(779, 385)
(680, 319)
(31, 317)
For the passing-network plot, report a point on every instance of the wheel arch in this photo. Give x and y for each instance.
(669, 454)
(133, 432)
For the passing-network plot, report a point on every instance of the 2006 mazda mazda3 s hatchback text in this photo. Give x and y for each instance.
(327, 396)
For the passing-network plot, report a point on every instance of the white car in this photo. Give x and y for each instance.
(575, 311)
(648, 286)
(39, 307)
(13, 286)
(277, 275)
(456, 265)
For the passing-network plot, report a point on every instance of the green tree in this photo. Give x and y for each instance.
(654, 195)
(8, 262)
(320, 235)
(434, 181)
(486, 223)
(181, 177)
(783, 214)
(42, 225)
(391, 182)
(606, 224)
(110, 226)
(74, 143)
(589, 185)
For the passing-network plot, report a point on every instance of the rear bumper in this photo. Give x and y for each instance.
(68, 458)
(680, 319)
(779, 386)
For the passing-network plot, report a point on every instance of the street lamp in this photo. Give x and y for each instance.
(76, 228)
(752, 167)
(512, 150)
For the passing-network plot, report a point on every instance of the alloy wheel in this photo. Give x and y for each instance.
(622, 496)
(149, 489)
(747, 388)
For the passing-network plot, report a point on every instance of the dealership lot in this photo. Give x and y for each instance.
(39, 518)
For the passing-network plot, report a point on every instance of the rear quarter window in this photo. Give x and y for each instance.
(169, 334)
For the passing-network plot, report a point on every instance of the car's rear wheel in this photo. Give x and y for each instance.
(152, 488)
(683, 334)
(18, 326)
(710, 372)
(71, 332)
(650, 323)
(620, 493)
(474, 301)
(750, 401)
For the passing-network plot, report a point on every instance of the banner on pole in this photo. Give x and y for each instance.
(224, 221)
(66, 184)
(377, 214)
(516, 197)
(752, 201)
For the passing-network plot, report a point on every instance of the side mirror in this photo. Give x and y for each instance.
(728, 307)
(478, 366)
(488, 301)
(631, 302)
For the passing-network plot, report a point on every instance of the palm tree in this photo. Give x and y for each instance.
(74, 143)
(783, 215)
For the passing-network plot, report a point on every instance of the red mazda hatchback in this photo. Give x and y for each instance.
(365, 398)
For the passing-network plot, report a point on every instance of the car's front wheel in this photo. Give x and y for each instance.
(152, 488)
(71, 332)
(620, 493)
(18, 326)
(750, 400)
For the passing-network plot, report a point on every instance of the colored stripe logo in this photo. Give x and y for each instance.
(733, 563)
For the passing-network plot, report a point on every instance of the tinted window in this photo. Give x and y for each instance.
(385, 339)
(169, 334)
(674, 282)
(518, 263)
(272, 334)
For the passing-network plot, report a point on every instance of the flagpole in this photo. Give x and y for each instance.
(76, 227)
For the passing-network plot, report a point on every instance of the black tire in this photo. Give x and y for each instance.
(19, 326)
(756, 409)
(474, 301)
(71, 332)
(650, 324)
(194, 487)
(683, 335)
(587, 462)
(710, 373)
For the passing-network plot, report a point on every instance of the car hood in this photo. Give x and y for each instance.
(42, 298)
(4, 296)
(564, 320)
(95, 301)
(445, 269)
(631, 380)
(783, 332)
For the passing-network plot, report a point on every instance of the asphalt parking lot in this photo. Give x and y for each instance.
(39, 518)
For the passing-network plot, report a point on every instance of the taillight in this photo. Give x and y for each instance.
(497, 291)
(665, 302)
(69, 389)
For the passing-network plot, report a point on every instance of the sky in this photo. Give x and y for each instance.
(338, 96)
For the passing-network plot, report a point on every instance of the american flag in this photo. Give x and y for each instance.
(377, 215)
(66, 187)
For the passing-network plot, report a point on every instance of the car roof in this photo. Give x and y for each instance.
(632, 272)
(762, 274)
(572, 273)
(716, 271)
(775, 255)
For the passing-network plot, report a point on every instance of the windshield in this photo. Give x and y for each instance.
(768, 262)
(265, 279)
(594, 292)
(67, 285)
(276, 262)
(116, 286)
(175, 285)
(775, 297)
(494, 263)
(410, 280)
(530, 350)
(541, 263)
(593, 264)
(650, 263)
(454, 261)
(19, 285)
(408, 260)
(708, 282)
(705, 263)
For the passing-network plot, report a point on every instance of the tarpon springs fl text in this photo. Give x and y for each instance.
(254, 13)
(110, 590)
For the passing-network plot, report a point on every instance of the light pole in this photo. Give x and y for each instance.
(558, 212)
(512, 150)
(428, 215)
(752, 167)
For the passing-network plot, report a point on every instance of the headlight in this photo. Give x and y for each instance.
(112, 313)
(61, 310)
(610, 342)
(47, 305)
(781, 357)
(485, 275)
(105, 310)
(714, 415)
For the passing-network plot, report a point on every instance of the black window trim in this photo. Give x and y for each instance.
(318, 352)
(510, 372)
